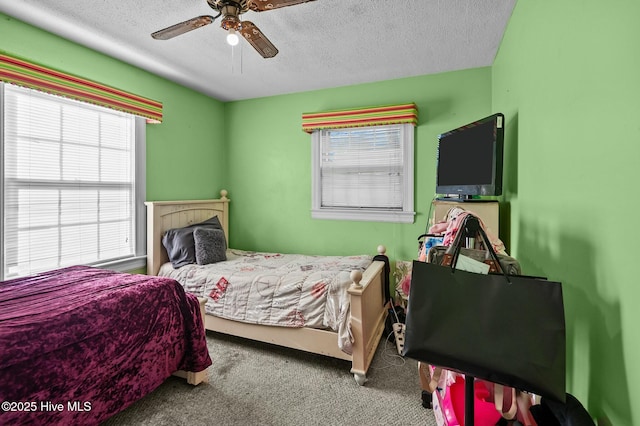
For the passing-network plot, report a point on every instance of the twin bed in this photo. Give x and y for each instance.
(80, 344)
(355, 289)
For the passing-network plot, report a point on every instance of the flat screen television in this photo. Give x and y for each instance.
(470, 159)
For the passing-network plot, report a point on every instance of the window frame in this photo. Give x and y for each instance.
(129, 263)
(406, 215)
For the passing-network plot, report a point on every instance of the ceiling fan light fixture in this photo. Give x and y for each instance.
(230, 10)
(232, 37)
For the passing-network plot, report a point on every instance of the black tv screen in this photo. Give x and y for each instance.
(470, 159)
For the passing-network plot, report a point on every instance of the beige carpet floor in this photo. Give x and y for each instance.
(252, 383)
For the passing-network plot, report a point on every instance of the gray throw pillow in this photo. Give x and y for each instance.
(210, 245)
(180, 244)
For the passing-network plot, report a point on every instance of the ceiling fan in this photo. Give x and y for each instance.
(230, 10)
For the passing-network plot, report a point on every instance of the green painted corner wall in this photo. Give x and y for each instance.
(185, 153)
(269, 160)
(566, 76)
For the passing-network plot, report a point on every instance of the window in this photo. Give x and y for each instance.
(73, 184)
(363, 173)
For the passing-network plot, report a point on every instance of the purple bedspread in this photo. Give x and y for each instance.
(80, 344)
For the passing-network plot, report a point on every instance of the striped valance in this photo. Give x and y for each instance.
(27, 74)
(371, 116)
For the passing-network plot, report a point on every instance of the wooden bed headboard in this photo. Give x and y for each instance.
(165, 215)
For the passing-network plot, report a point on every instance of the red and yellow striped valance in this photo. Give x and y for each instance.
(371, 116)
(27, 74)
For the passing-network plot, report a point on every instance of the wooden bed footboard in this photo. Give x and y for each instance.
(367, 293)
(368, 315)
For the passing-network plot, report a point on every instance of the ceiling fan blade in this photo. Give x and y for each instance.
(263, 5)
(183, 27)
(258, 40)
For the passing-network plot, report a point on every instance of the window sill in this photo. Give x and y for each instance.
(124, 265)
(364, 215)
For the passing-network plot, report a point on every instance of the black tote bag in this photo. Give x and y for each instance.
(507, 331)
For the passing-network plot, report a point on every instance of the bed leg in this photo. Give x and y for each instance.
(194, 378)
(197, 378)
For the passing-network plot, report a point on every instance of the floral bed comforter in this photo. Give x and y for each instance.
(287, 290)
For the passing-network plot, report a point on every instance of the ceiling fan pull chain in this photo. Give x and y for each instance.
(233, 59)
(239, 60)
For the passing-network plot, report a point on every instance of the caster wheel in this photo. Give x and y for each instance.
(360, 379)
(427, 400)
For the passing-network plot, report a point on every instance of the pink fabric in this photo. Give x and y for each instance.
(92, 339)
(453, 225)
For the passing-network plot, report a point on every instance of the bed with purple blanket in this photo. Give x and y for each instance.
(79, 344)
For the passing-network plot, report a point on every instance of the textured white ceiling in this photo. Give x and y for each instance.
(323, 43)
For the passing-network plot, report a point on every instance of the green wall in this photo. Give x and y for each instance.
(270, 163)
(185, 154)
(567, 78)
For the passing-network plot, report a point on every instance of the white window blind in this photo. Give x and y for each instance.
(69, 183)
(362, 168)
(364, 173)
